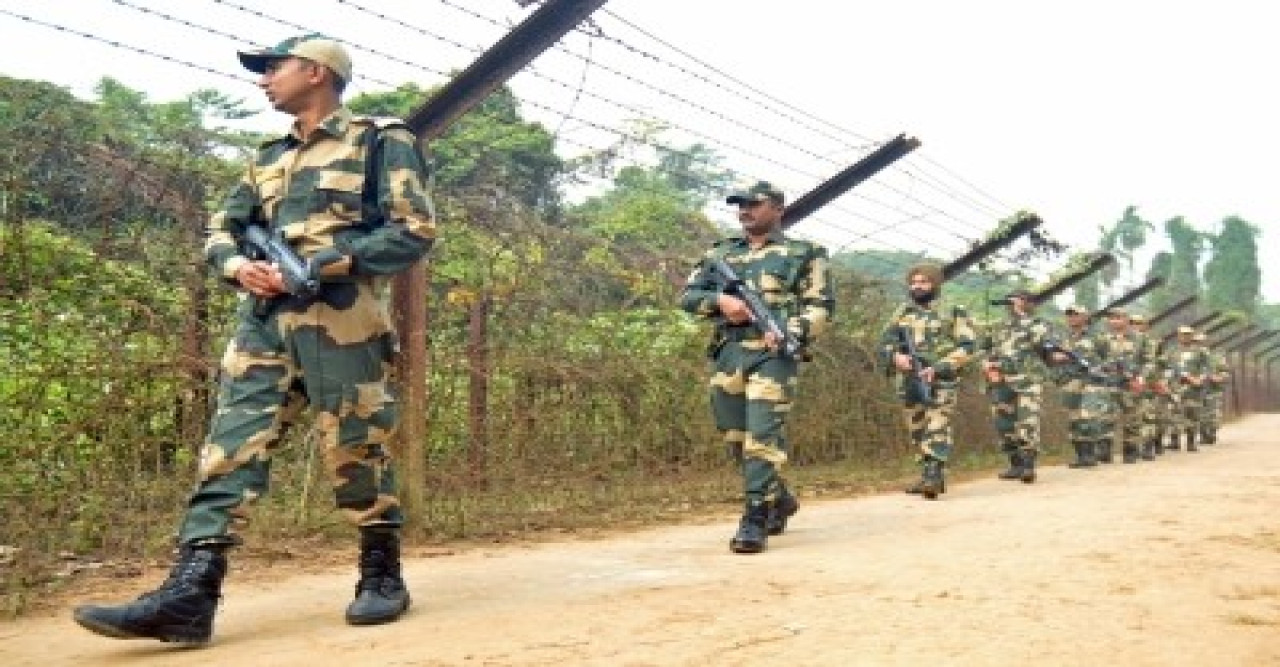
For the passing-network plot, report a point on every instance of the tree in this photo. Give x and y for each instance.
(1184, 268)
(1232, 276)
(491, 147)
(1121, 239)
(1161, 299)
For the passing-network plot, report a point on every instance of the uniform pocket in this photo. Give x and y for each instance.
(338, 193)
(269, 183)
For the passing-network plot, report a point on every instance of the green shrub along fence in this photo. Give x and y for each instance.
(537, 417)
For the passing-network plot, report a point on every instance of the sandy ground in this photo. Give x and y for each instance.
(1175, 562)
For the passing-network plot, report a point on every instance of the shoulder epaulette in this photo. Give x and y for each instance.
(801, 246)
(381, 122)
(273, 140)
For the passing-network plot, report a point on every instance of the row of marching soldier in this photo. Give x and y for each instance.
(1128, 396)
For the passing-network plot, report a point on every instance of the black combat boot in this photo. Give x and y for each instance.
(1028, 467)
(1104, 450)
(1174, 444)
(181, 610)
(1084, 456)
(933, 480)
(918, 487)
(1148, 451)
(1207, 436)
(782, 509)
(1191, 440)
(1015, 466)
(381, 596)
(752, 536)
(1157, 446)
(1129, 453)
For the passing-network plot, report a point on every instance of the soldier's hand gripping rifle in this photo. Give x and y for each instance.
(1052, 346)
(298, 276)
(733, 285)
(916, 389)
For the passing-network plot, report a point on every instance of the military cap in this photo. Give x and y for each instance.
(1116, 311)
(927, 269)
(1022, 293)
(314, 47)
(1185, 330)
(761, 191)
(1076, 308)
(1199, 337)
(1138, 319)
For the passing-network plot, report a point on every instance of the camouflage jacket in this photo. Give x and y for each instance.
(1216, 364)
(943, 337)
(1125, 357)
(1013, 343)
(312, 192)
(1092, 350)
(791, 276)
(1153, 354)
(1187, 363)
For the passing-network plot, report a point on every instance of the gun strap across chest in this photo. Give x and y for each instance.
(369, 210)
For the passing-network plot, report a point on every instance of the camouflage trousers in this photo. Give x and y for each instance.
(1166, 409)
(1122, 425)
(929, 426)
(334, 356)
(751, 395)
(1148, 416)
(1190, 408)
(1015, 411)
(1087, 407)
(1211, 416)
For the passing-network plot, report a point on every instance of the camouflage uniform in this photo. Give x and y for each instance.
(350, 200)
(1165, 403)
(1016, 396)
(944, 339)
(1085, 398)
(333, 352)
(1122, 364)
(1151, 400)
(1189, 370)
(1211, 417)
(751, 387)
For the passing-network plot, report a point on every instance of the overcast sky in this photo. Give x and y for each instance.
(1075, 110)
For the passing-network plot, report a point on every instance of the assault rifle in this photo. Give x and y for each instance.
(733, 285)
(1119, 373)
(1050, 346)
(297, 274)
(917, 390)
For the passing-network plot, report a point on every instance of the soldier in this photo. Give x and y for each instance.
(349, 196)
(1189, 370)
(1014, 385)
(942, 341)
(1165, 403)
(1215, 390)
(1148, 411)
(1083, 394)
(752, 382)
(1125, 372)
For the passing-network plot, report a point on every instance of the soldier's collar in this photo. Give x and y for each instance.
(775, 236)
(335, 124)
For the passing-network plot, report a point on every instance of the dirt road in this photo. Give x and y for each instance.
(1175, 562)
